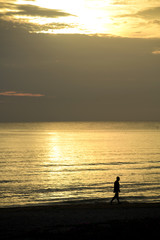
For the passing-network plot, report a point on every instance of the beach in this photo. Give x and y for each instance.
(80, 220)
(57, 180)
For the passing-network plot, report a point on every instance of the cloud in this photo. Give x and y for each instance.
(25, 27)
(156, 22)
(9, 10)
(120, 2)
(31, 10)
(19, 94)
(151, 13)
(33, 27)
(156, 52)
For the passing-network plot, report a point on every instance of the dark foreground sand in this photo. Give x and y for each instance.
(81, 221)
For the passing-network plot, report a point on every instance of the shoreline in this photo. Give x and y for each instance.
(91, 203)
(94, 219)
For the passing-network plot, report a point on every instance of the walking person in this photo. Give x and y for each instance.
(116, 190)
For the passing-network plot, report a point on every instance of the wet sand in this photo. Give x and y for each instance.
(80, 221)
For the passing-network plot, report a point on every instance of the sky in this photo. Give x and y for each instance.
(83, 60)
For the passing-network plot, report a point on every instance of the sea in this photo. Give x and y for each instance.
(68, 162)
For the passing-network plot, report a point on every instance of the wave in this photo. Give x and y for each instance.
(10, 181)
(108, 187)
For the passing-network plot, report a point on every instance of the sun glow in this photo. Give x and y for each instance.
(86, 16)
(70, 6)
(102, 17)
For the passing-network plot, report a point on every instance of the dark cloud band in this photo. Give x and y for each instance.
(31, 10)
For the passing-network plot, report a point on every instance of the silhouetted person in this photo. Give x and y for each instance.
(116, 190)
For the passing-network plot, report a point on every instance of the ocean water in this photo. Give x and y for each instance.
(45, 163)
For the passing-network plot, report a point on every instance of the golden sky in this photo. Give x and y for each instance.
(124, 18)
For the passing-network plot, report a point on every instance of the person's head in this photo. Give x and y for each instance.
(118, 178)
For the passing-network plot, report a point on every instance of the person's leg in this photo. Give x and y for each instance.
(117, 197)
(113, 198)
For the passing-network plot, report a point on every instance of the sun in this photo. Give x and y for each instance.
(85, 15)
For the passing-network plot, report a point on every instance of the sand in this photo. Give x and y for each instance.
(80, 220)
